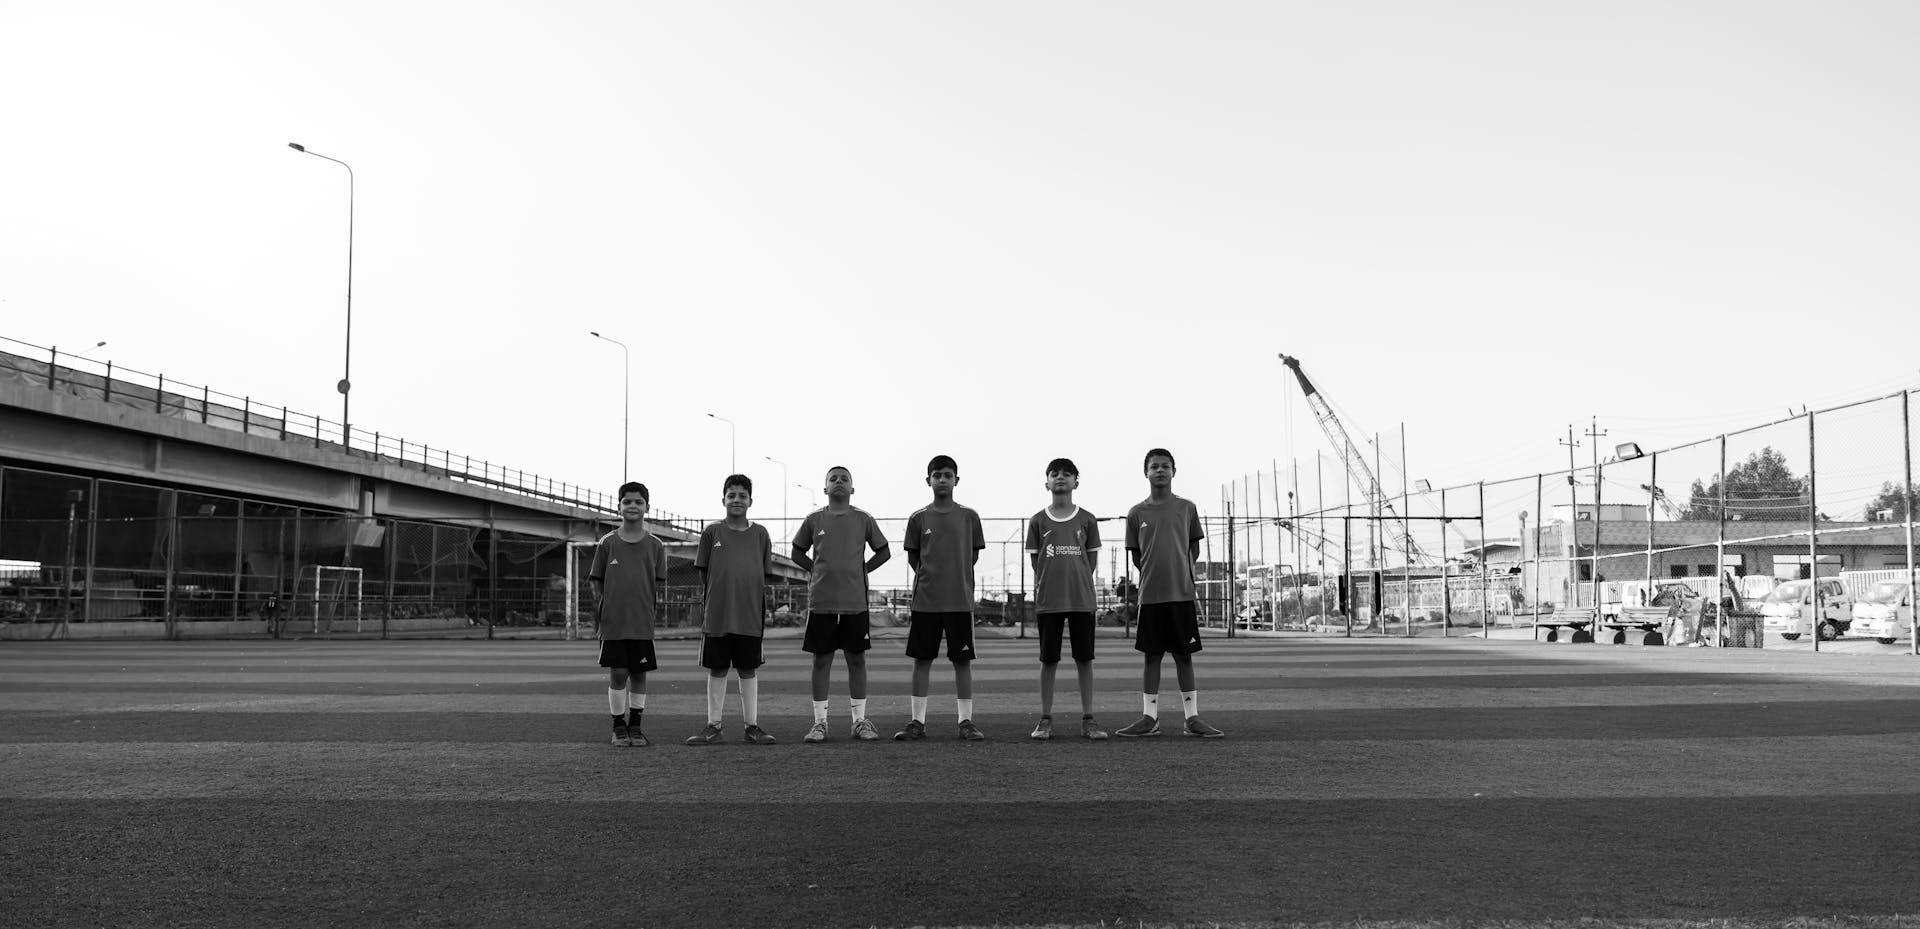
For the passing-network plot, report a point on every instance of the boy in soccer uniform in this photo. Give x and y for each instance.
(1163, 538)
(735, 558)
(629, 565)
(839, 536)
(943, 541)
(1064, 542)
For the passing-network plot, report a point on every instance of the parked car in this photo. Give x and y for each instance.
(1884, 612)
(1789, 609)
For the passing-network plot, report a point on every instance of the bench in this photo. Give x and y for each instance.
(1639, 625)
(1564, 626)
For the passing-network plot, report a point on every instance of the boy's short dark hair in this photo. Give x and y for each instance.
(737, 480)
(840, 468)
(1153, 453)
(1063, 464)
(943, 461)
(631, 487)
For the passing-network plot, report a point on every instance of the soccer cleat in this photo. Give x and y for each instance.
(1198, 727)
(1140, 728)
(757, 736)
(639, 738)
(970, 732)
(1043, 731)
(817, 734)
(1092, 730)
(621, 735)
(866, 731)
(707, 736)
(915, 731)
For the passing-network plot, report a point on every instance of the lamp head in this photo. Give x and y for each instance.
(296, 146)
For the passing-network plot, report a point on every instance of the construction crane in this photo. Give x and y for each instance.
(1357, 468)
(1667, 505)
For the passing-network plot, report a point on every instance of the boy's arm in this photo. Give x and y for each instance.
(802, 542)
(1091, 545)
(881, 556)
(979, 534)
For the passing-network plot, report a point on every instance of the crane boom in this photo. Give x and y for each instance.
(1357, 468)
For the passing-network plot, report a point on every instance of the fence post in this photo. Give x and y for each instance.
(392, 539)
(53, 364)
(1539, 516)
(1906, 496)
(1814, 604)
(206, 400)
(1653, 492)
(1446, 573)
(108, 387)
(1720, 545)
(173, 547)
(493, 572)
(1486, 607)
(159, 391)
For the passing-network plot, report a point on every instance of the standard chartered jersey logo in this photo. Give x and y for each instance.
(1053, 550)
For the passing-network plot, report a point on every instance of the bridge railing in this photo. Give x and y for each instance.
(74, 374)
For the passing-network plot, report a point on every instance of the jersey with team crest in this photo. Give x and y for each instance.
(736, 562)
(1063, 577)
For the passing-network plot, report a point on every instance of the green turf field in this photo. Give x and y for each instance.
(1382, 782)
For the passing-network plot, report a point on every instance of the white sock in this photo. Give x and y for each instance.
(716, 698)
(965, 707)
(1150, 705)
(1190, 703)
(819, 711)
(920, 709)
(750, 700)
(636, 701)
(616, 702)
(859, 708)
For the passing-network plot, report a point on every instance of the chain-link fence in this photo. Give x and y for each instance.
(1796, 531)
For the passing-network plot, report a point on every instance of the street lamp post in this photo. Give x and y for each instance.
(346, 370)
(811, 495)
(783, 492)
(733, 443)
(96, 347)
(626, 400)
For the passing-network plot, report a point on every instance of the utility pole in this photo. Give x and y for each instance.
(1571, 537)
(1593, 433)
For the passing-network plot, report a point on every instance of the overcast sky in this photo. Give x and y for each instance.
(869, 233)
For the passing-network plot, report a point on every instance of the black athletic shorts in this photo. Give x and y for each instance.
(1054, 625)
(631, 654)
(1167, 627)
(733, 650)
(923, 636)
(831, 632)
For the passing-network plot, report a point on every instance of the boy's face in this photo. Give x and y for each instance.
(633, 507)
(1062, 482)
(736, 500)
(839, 484)
(1159, 471)
(942, 481)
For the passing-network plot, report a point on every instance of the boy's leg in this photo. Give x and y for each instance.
(636, 705)
(1048, 671)
(747, 658)
(617, 704)
(923, 645)
(716, 657)
(1084, 671)
(1190, 699)
(1149, 721)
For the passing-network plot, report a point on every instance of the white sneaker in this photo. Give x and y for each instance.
(817, 734)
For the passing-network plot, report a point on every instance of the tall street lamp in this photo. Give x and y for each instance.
(811, 494)
(783, 492)
(96, 347)
(626, 401)
(346, 370)
(733, 443)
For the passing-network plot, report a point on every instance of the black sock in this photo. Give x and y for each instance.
(633, 716)
(618, 720)
(1086, 717)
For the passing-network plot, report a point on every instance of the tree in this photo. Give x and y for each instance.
(1890, 505)
(1762, 487)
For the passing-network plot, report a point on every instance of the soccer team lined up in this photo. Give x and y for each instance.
(839, 544)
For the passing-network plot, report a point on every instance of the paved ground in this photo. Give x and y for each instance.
(469, 783)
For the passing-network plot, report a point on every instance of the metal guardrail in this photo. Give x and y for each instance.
(156, 393)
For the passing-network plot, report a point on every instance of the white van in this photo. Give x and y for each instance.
(1884, 612)
(1788, 609)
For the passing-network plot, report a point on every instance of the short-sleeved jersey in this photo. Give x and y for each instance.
(630, 575)
(838, 543)
(736, 562)
(1063, 577)
(948, 543)
(1163, 534)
